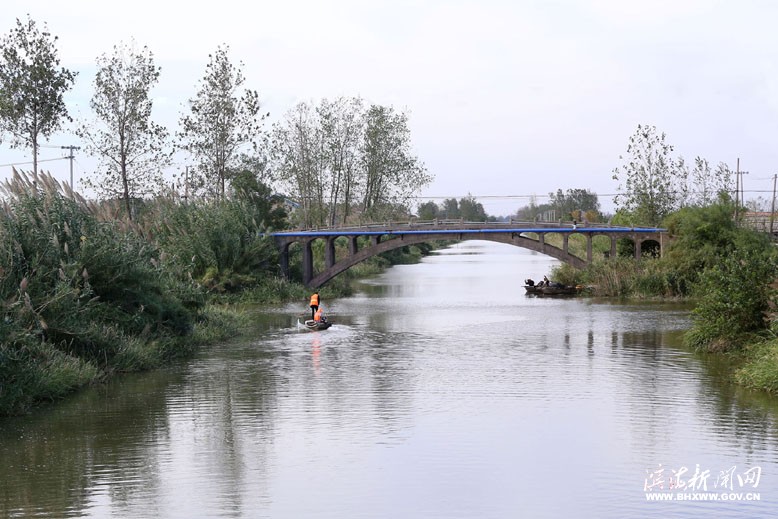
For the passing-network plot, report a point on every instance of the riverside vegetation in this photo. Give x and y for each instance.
(725, 269)
(87, 293)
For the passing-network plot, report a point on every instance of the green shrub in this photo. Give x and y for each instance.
(733, 298)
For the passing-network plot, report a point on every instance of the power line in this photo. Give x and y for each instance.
(30, 162)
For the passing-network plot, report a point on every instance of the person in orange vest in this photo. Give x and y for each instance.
(317, 317)
(314, 304)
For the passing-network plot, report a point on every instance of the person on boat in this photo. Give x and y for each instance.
(529, 282)
(314, 304)
(318, 317)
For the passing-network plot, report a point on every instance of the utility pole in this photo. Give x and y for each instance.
(737, 188)
(71, 157)
(772, 209)
(739, 191)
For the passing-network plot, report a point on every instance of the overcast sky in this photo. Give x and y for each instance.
(506, 98)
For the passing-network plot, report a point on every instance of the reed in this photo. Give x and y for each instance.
(81, 298)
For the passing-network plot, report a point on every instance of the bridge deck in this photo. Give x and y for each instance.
(489, 230)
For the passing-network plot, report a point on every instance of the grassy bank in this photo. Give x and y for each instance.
(86, 295)
(720, 266)
(760, 366)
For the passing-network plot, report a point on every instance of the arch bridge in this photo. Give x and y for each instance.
(388, 236)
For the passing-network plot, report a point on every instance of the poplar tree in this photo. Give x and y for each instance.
(132, 149)
(652, 181)
(391, 172)
(224, 122)
(299, 161)
(340, 157)
(32, 86)
(342, 127)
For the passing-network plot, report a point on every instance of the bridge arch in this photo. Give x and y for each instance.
(408, 234)
(396, 243)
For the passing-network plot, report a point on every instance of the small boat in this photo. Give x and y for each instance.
(560, 290)
(317, 325)
(551, 289)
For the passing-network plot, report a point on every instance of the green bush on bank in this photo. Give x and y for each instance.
(85, 294)
(733, 298)
(729, 271)
(80, 297)
(219, 244)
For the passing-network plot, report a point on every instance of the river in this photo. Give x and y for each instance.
(441, 391)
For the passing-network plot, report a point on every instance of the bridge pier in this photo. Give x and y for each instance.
(307, 262)
(329, 251)
(284, 258)
(589, 239)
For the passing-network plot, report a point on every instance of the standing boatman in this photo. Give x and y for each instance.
(314, 304)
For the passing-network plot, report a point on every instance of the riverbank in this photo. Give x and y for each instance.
(759, 370)
(36, 368)
(383, 405)
(731, 317)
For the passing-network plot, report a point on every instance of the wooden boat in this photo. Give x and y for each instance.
(560, 290)
(315, 326)
(555, 289)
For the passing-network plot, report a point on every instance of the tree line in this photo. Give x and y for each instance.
(338, 159)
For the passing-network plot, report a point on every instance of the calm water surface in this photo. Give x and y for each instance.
(442, 391)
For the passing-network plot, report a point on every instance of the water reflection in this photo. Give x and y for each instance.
(440, 391)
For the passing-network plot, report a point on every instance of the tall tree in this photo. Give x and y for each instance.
(133, 150)
(299, 161)
(652, 182)
(342, 128)
(222, 123)
(338, 156)
(32, 86)
(392, 173)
